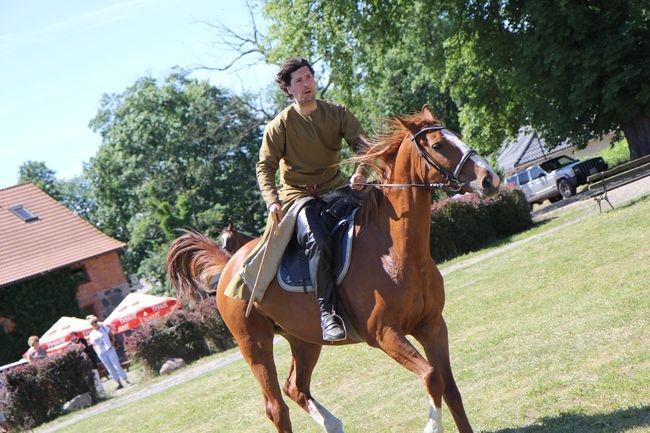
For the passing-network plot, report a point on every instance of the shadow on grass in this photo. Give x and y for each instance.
(614, 422)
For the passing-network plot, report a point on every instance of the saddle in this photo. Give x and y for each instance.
(338, 213)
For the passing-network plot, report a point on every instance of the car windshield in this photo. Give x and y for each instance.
(555, 163)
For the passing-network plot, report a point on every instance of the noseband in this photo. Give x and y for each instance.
(453, 182)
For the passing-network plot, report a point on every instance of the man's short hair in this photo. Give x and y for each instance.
(289, 66)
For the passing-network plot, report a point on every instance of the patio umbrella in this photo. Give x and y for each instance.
(136, 308)
(57, 338)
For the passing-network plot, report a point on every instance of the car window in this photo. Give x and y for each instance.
(555, 163)
(536, 172)
(522, 178)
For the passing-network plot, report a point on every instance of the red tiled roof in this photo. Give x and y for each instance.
(57, 239)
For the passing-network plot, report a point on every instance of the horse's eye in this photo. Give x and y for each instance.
(437, 146)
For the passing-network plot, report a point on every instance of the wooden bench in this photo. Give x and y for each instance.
(600, 183)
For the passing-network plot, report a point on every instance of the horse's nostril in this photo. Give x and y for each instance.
(487, 182)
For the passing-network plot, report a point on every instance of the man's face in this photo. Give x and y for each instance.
(302, 86)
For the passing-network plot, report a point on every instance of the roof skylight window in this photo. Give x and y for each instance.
(23, 213)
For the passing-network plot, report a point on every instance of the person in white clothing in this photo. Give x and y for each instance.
(101, 339)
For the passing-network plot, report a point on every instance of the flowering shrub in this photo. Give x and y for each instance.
(466, 223)
(34, 394)
(187, 333)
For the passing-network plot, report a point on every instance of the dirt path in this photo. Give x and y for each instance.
(137, 392)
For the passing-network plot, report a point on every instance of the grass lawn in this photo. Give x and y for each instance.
(550, 336)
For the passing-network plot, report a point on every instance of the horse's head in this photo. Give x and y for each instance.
(232, 239)
(228, 238)
(447, 159)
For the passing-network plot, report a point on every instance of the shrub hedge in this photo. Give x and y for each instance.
(33, 394)
(188, 333)
(467, 223)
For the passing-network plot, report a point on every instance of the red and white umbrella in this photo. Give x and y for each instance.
(57, 338)
(136, 308)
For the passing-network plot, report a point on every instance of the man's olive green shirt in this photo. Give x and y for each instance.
(307, 150)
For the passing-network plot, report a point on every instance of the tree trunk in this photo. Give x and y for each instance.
(637, 133)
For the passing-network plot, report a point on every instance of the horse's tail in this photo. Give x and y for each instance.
(193, 260)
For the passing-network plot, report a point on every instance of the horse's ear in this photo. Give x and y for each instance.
(230, 226)
(427, 112)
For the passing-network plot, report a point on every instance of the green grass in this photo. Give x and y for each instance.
(616, 154)
(551, 336)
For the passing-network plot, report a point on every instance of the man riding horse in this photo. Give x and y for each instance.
(304, 143)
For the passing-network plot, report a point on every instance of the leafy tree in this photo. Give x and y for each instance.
(40, 175)
(178, 153)
(72, 193)
(75, 195)
(572, 70)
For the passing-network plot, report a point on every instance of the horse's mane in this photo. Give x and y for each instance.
(378, 154)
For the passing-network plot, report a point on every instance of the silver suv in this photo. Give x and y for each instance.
(555, 178)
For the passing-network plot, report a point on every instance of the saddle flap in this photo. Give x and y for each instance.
(293, 273)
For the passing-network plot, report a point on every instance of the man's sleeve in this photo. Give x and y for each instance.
(354, 136)
(271, 152)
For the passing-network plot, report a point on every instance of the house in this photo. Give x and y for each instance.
(39, 235)
(528, 148)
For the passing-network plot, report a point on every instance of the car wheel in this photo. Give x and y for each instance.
(565, 188)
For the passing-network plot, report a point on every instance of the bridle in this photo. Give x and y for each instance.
(453, 182)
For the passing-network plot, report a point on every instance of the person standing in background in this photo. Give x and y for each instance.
(35, 353)
(102, 341)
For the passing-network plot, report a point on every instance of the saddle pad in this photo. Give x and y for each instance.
(293, 273)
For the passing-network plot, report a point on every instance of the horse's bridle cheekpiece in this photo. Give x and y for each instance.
(453, 182)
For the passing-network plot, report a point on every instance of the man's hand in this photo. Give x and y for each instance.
(276, 208)
(357, 178)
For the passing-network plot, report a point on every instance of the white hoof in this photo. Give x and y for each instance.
(434, 423)
(324, 418)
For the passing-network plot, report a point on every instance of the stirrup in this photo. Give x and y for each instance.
(333, 320)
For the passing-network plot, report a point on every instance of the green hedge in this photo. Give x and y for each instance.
(188, 333)
(466, 223)
(34, 394)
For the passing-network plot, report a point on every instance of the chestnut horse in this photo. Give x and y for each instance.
(393, 288)
(232, 239)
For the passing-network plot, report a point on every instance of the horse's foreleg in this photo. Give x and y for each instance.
(296, 386)
(435, 341)
(394, 343)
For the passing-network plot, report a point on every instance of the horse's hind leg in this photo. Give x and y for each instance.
(296, 386)
(435, 341)
(254, 336)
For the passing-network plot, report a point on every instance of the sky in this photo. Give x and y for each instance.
(59, 57)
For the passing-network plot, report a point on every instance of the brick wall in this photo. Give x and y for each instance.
(104, 274)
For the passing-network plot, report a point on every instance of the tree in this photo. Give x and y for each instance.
(175, 154)
(573, 70)
(40, 175)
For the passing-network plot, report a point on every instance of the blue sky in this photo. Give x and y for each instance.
(60, 57)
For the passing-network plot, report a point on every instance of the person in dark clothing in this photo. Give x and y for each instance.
(80, 342)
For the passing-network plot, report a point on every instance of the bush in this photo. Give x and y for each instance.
(187, 333)
(35, 393)
(467, 223)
